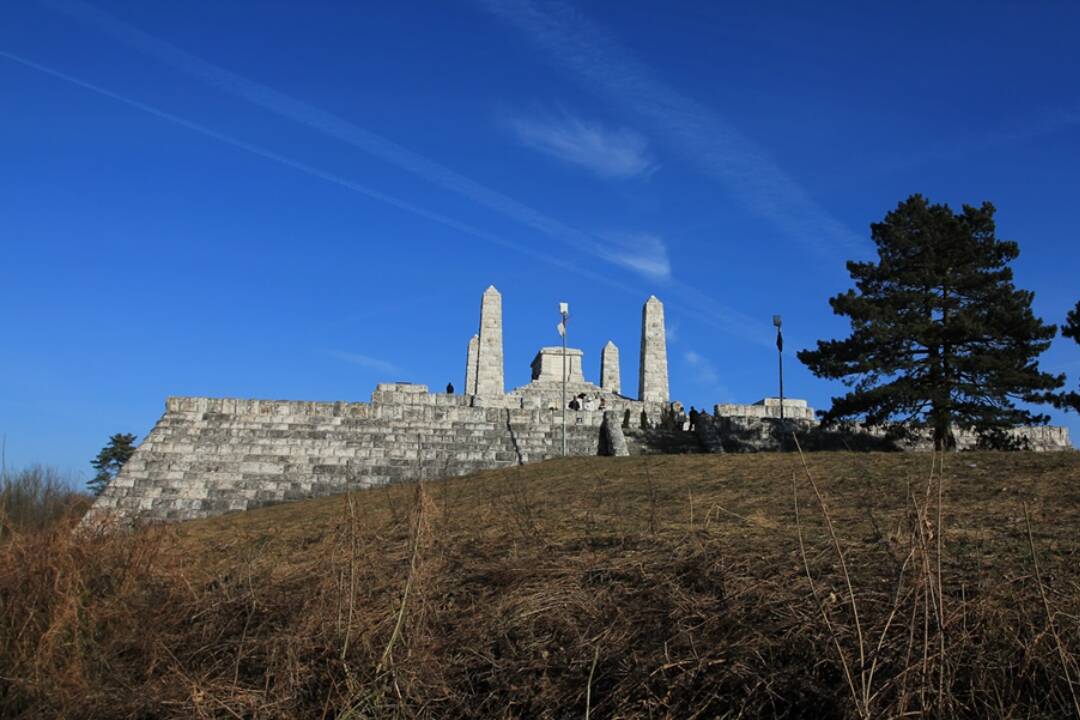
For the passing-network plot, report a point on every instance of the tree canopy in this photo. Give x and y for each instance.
(1071, 329)
(940, 336)
(109, 461)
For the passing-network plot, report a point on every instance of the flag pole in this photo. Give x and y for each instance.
(564, 312)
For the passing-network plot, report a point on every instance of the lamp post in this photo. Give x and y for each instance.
(564, 313)
(780, 359)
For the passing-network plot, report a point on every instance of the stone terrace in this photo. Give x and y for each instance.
(207, 456)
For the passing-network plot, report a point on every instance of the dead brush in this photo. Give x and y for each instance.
(380, 604)
(922, 652)
(386, 690)
(64, 604)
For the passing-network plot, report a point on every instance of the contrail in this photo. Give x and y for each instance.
(717, 315)
(316, 172)
(327, 123)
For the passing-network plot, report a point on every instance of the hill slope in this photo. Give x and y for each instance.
(657, 586)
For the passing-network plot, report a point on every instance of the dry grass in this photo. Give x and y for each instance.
(663, 586)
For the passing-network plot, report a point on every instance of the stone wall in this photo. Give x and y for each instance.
(759, 428)
(207, 456)
(767, 408)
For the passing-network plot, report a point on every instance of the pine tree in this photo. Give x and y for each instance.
(941, 338)
(1071, 329)
(109, 461)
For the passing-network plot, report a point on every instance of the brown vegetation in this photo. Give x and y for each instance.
(664, 586)
(36, 498)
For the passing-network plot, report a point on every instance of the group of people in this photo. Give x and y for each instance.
(586, 402)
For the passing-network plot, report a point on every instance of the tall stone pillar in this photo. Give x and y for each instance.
(489, 365)
(609, 367)
(470, 365)
(653, 375)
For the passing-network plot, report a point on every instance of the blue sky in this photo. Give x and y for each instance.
(299, 200)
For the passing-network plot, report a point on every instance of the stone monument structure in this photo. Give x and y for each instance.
(609, 367)
(470, 365)
(489, 361)
(653, 375)
(547, 366)
(207, 456)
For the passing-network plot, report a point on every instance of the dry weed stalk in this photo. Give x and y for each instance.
(863, 694)
(339, 610)
(1063, 655)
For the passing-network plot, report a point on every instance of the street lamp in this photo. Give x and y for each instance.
(780, 359)
(564, 313)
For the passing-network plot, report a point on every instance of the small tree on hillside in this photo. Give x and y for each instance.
(941, 337)
(109, 461)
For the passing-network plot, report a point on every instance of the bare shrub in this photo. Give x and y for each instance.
(424, 600)
(36, 497)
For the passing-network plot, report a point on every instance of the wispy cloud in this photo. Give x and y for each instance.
(704, 372)
(343, 182)
(608, 152)
(651, 266)
(327, 123)
(718, 149)
(367, 362)
(643, 253)
(672, 331)
(705, 376)
(338, 128)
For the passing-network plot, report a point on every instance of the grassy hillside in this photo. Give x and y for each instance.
(663, 586)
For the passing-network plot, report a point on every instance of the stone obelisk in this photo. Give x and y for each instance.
(470, 365)
(489, 364)
(609, 367)
(653, 374)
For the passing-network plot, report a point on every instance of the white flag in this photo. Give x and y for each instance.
(562, 329)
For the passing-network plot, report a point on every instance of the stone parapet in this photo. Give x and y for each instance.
(768, 408)
(547, 366)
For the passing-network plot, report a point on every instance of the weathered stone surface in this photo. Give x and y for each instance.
(470, 365)
(609, 368)
(794, 409)
(489, 372)
(613, 434)
(757, 427)
(208, 456)
(547, 366)
(653, 371)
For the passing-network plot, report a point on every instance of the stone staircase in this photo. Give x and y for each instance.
(198, 462)
(661, 442)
